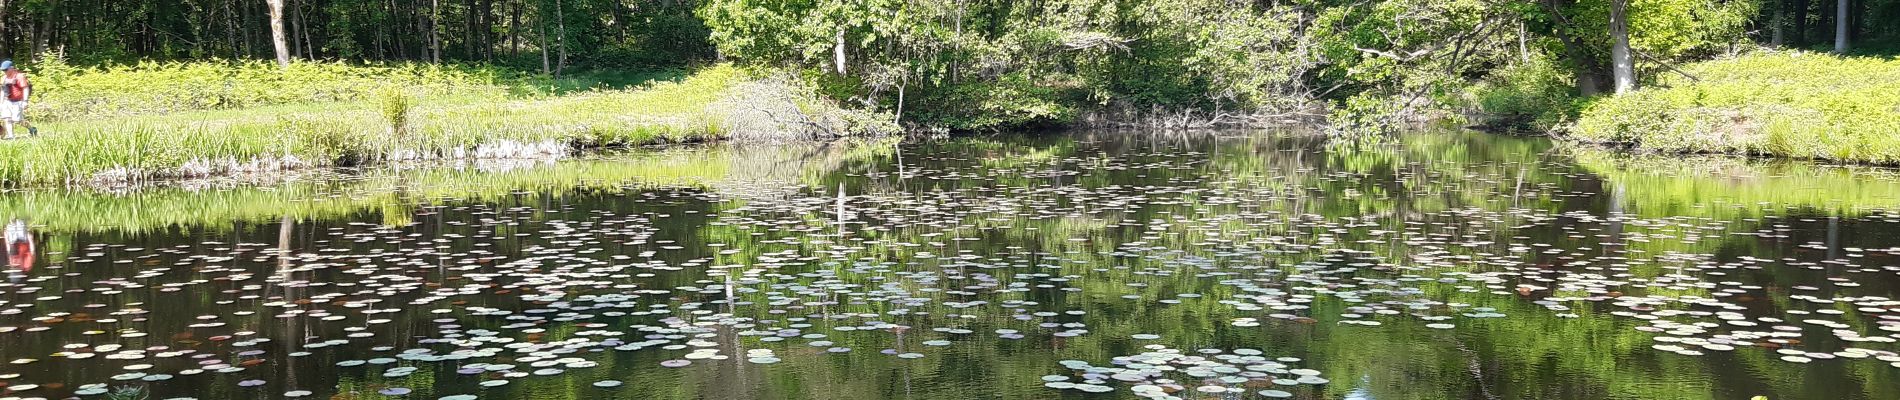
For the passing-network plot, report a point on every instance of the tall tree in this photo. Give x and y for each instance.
(435, 31)
(837, 52)
(1841, 23)
(1779, 21)
(277, 36)
(560, 25)
(1621, 64)
(1800, 22)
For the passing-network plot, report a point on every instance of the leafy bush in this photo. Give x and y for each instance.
(1534, 95)
(990, 66)
(1012, 101)
(395, 105)
(1792, 104)
(1365, 116)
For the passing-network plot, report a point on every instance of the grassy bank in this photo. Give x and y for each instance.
(450, 116)
(67, 92)
(1796, 105)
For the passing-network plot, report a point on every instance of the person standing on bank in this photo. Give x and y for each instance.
(17, 89)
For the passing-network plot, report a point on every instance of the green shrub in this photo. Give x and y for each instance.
(1800, 105)
(1012, 101)
(395, 105)
(1533, 95)
(1365, 117)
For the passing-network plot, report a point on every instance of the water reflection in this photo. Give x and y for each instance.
(1442, 266)
(20, 250)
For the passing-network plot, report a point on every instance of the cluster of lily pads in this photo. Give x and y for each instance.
(1162, 373)
(503, 292)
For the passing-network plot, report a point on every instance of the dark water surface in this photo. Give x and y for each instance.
(1088, 265)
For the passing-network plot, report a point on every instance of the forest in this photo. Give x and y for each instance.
(965, 65)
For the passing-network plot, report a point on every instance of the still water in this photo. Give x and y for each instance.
(1087, 265)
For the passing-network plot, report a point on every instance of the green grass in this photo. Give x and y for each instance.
(214, 118)
(437, 125)
(67, 92)
(1531, 96)
(1799, 105)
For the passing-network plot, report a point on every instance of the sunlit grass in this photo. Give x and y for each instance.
(268, 138)
(1794, 105)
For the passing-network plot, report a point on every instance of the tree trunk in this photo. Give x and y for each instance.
(6, 41)
(560, 28)
(244, 28)
(230, 26)
(837, 52)
(1780, 20)
(293, 24)
(303, 30)
(1588, 69)
(1621, 64)
(1523, 50)
(469, 19)
(1800, 23)
(277, 34)
(514, 35)
(1841, 19)
(486, 47)
(38, 37)
(435, 31)
(546, 67)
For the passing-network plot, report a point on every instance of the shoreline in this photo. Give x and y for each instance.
(320, 192)
(715, 104)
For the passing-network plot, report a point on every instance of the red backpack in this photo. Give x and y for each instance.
(16, 86)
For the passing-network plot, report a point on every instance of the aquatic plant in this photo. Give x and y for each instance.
(1422, 269)
(128, 392)
(395, 105)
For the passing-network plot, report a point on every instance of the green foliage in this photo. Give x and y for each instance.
(1365, 116)
(589, 34)
(1794, 104)
(395, 105)
(944, 63)
(1530, 95)
(998, 66)
(66, 92)
(1667, 29)
(1416, 51)
(988, 66)
(128, 392)
(257, 139)
(1009, 102)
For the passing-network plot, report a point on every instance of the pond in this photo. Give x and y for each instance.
(1089, 265)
